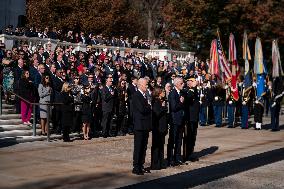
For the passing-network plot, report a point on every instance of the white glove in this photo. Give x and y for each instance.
(274, 103)
(200, 102)
(230, 102)
(244, 103)
(216, 98)
(269, 87)
(254, 84)
(256, 102)
(226, 87)
(202, 95)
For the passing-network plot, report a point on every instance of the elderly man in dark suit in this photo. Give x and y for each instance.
(142, 126)
(108, 95)
(176, 102)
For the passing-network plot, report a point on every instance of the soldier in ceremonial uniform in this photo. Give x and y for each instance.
(218, 103)
(231, 105)
(277, 95)
(192, 107)
(204, 91)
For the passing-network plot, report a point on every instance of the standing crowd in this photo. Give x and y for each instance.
(105, 95)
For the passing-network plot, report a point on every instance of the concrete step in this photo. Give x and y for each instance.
(10, 116)
(8, 111)
(7, 141)
(16, 127)
(10, 122)
(8, 106)
(16, 133)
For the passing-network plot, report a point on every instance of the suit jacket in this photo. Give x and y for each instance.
(107, 99)
(176, 108)
(35, 76)
(142, 118)
(159, 117)
(17, 76)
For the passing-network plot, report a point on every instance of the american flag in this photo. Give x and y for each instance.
(226, 72)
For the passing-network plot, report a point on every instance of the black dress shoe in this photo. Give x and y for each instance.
(137, 172)
(193, 159)
(145, 170)
(275, 130)
(179, 162)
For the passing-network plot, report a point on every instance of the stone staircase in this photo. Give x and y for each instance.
(12, 131)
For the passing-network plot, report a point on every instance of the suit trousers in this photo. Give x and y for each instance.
(140, 147)
(106, 121)
(174, 143)
(189, 139)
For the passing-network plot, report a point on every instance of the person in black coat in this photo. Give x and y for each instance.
(142, 125)
(192, 109)
(176, 102)
(67, 111)
(108, 99)
(56, 97)
(86, 111)
(132, 88)
(160, 128)
(121, 109)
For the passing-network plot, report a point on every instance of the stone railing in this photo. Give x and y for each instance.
(11, 40)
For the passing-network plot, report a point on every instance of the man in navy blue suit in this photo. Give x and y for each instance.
(142, 118)
(176, 102)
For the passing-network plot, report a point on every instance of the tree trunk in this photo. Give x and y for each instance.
(150, 25)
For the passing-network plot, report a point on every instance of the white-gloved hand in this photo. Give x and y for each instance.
(202, 95)
(216, 98)
(254, 84)
(200, 102)
(230, 102)
(244, 103)
(256, 102)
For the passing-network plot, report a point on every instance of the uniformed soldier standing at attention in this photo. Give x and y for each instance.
(192, 107)
(218, 104)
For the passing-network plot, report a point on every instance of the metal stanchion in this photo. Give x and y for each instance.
(47, 122)
(34, 120)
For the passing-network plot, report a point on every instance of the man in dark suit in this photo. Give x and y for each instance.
(17, 76)
(142, 126)
(108, 98)
(57, 84)
(131, 89)
(192, 107)
(176, 102)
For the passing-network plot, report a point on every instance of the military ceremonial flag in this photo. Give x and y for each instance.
(235, 66)
(259, 68)
(225, 70)
(214, 67)
(247, 58)
(276, 61)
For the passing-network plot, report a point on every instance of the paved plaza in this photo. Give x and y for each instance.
(229, 158)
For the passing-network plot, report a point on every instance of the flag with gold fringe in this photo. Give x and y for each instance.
(235, 66)
(259, 68)
(214, 67)
(276, 61)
